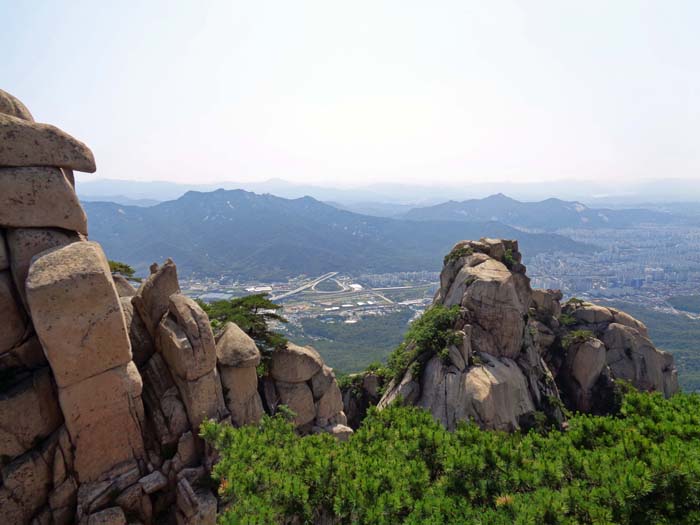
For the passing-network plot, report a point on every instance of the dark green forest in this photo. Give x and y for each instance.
(638, 467)
(687, 303)
(351, 347)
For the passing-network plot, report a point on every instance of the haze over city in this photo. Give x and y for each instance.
(455, 94)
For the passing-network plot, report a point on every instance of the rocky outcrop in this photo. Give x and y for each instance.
(594, 345)
(520, 348)
(495, 375)
(103, 387)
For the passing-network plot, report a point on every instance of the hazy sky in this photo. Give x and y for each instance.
(350, 93)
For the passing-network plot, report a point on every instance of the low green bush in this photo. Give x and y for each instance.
(639, 467)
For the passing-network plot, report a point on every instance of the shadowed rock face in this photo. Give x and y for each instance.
(516, 356)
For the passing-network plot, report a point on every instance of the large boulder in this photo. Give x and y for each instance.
(188, 355)
(236, 348)
(633, 357)
(10, 105)
(76, 312)
(153, 296)
(203, 398)
(494, 395)
(295, 364)
(104, 415)
(25, 243)
(29, 355)
(28, 413)
(26, 143)
(39, 197)
(240, 386)
(298, 398)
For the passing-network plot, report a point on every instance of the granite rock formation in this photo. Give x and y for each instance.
(103, 387)
(520, 348)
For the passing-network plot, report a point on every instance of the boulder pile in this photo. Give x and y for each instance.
(103, 387)
(519, 348)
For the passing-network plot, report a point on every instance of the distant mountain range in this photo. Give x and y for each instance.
(246, 235)
(381, 197)
(547, 215)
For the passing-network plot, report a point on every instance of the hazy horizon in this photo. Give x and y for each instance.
(349, 96)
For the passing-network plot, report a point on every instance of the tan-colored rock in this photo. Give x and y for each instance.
(187, 361)
(236, 348)
(186, 340)
(298, 398)
(494, 395)
(340, 432)
(4, 256)
(330, 404)
(590, 313)
(295, 364)
(547, 301)
(11, 105)
(25, 143)
(634, 358)
(587, 362)
(39, 197)
(153, 296)
(321, 381)
(142, 346)
(110, 516)
(28, 413)
(241, 393)
(25, 488)
(103, 415)
(25, 243)
(496, 303)
(76, 312)
(12, 315)
(202, 397)
(123, 286)
(626, 319)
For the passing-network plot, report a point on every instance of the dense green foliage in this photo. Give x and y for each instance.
(640, 467)
(121, 268)
(687, 303)
(251, 313)
(351, 347)
(677, 334)
(427, 336)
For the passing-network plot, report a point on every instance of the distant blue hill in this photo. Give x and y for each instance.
(246, 235)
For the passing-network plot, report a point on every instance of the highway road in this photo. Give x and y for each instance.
(303, 287)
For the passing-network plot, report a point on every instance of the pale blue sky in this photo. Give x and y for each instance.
(349, 93)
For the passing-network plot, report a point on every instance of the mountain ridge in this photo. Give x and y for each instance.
(209, 231)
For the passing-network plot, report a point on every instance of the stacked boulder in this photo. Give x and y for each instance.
(300, 380)
(510, 365)
(103, 387)
(591, 345)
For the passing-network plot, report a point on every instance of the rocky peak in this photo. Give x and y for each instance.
(518, 348)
